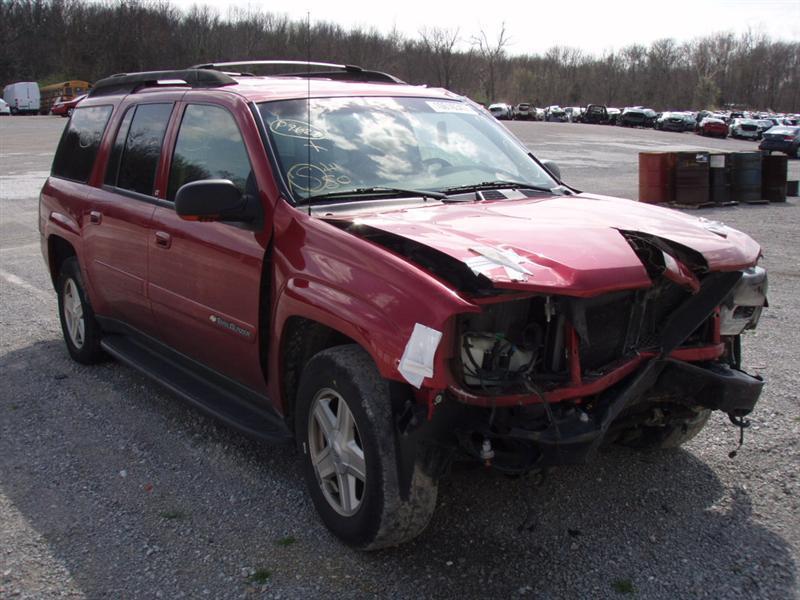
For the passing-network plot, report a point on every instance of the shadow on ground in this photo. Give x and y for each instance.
(135, 493)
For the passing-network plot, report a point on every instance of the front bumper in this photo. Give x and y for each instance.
(717, 387)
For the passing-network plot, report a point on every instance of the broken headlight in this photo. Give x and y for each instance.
(742, 308)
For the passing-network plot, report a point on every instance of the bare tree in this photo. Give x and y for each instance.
(440, 45)
(492, 53)
(85, 39)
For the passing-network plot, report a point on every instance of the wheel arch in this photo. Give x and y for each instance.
(58, 250)
(300, 340)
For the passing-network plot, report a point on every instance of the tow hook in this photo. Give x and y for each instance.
(742, 424)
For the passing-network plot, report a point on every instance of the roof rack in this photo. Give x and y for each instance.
(338, 72)
(210, 75)
(125, 83)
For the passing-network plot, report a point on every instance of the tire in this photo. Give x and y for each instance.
(70, 111)
(376, 515)
(81, 331)
(670, 436)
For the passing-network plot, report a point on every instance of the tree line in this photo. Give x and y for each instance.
(52, 40)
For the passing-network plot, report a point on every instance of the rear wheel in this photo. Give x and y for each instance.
(81, 331)
(345, 429)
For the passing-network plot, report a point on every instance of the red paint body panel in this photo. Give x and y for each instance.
(572, 243)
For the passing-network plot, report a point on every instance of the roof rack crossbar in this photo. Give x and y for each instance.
(240, 63)
(340, 71)
(125, 83)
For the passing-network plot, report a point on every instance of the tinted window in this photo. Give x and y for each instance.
(112, 170)
(79, 143)
(209, 146)
(137, 169)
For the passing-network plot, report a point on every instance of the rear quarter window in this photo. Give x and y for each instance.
(79, 143)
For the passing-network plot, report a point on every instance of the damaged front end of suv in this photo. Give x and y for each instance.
(543, 379)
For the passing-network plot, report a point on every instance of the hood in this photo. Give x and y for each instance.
(569, 245)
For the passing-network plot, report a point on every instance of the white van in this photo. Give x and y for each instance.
(22, 97)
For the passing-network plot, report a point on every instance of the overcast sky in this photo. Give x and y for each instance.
(536, 25)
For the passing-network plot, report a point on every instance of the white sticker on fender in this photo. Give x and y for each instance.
(417, 361)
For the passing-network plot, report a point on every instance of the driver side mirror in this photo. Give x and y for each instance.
(212, 200)
(553, 168)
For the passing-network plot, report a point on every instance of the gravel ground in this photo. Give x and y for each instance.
(111, 487)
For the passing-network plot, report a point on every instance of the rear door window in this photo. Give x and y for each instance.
(209, 146)
(79, 143)
(137, 148)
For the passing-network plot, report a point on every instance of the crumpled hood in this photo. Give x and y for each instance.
(565, 244)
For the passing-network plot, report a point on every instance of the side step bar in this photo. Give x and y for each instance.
(222, 398)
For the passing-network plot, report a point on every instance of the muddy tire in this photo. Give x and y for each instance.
(81, 330)
(670, 436)
(340, 386)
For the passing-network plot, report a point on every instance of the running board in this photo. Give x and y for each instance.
(220, 397)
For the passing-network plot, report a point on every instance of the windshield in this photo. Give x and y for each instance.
(409, 143)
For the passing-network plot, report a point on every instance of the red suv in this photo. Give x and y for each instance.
(384, 274)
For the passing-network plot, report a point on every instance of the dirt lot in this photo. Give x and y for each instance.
(111, 487)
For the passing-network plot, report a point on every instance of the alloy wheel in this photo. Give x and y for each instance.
(336, 452)
(73, 314)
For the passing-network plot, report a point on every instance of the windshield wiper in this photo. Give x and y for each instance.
(495, 185)
(373, 191)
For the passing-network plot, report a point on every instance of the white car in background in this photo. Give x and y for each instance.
(501, 112)
(4, 108)
(745, 129)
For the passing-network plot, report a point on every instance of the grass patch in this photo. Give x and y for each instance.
(260, 576)
(172, 515)
(623, 586)
(286, 541)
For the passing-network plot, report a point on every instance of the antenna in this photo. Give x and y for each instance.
(308, 109)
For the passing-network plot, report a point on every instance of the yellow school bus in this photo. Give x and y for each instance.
(65, 90)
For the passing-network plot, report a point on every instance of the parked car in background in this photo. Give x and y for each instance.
(613, 115)
(782, 139)
(712, 126)
(64, 108)
(595, 114)
(22, 97)
(574, 114)
(524, 112)
(765, 124)
(671, 121)
(555, 114)
(61, 91)
(633, 116)
(744, 129)
(501, 111)
(4, 108)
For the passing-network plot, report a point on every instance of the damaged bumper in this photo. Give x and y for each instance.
(575, 436)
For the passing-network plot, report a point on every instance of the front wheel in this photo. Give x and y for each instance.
(81, 331)
(344, 427)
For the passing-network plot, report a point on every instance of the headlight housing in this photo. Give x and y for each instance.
(742, 308)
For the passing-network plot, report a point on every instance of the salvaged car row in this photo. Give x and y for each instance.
(739, 125)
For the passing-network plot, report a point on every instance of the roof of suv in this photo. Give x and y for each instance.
(342, 81)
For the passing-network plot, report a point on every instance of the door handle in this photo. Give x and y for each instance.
(95, 216)
(163, 239)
